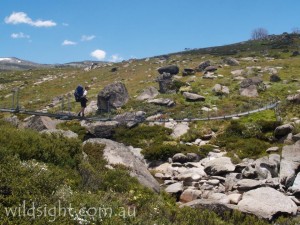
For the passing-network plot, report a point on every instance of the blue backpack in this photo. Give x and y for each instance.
(78, 93)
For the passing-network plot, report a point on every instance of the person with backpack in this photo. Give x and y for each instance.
(81, 96)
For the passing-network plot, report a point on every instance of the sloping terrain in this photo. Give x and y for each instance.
(239, 78)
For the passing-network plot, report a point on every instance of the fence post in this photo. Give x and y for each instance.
(62, 104)
(13, 99)
(69, 104)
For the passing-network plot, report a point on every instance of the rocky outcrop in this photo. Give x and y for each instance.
(267, 203)
(148, 93)
(112, 96)
(172, 69)
(40, 123)
(290, 162)
(116, 153)
(130, 119)
(100, 129)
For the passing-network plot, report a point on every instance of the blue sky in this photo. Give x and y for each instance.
(61, 31)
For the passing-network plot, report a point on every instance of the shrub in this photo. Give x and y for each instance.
(28, 144)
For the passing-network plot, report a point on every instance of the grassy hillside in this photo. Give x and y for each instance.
(51, 170)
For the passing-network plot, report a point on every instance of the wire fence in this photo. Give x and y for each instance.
(64, 111)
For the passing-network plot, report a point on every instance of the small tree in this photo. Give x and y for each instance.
(259, 34)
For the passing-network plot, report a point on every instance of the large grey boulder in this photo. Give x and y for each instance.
(148, 93)
(193, 97)
(172, 69)
(116, 153)
(283, 130)
(130, 119)
(100, 129)
(290, 163)
(267, 203)
(40, 123)
(219, 166)
(113, 96)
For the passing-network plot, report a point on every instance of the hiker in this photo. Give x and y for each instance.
(83, 100)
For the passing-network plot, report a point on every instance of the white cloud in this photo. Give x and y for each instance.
(98, 54)
(21, 17)
(19, 35)
(87, 37)
(67, 42)
(116, 58)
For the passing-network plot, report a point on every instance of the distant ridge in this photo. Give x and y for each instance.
(13, 63)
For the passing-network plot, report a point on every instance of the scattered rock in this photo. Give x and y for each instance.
(289, 164)
(172, 69)
(40, 123)
(248, 184)
(250, 91)
(231, 61)
(204, 65)
(267, 203)
(112, 96)
(283, 130)
(179, 157)
(294, 98)
(210, 69)
(272, 149)
(218, 89)
(219, 166)
(193, 97)
(130, 119)
(275, 78)
(162, 101)
(148, 93)
(188, 72)
(100, 129)
(190, 195)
